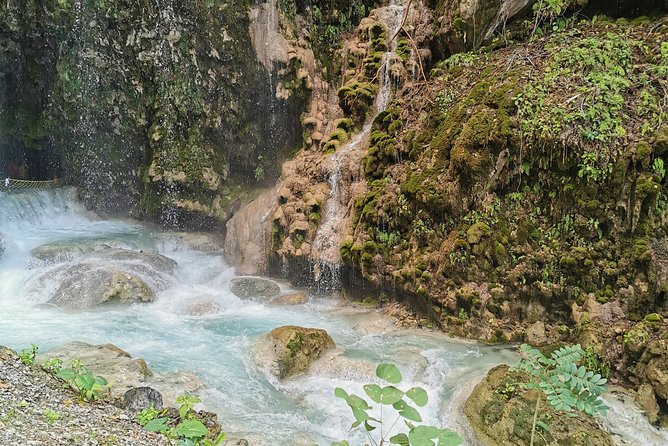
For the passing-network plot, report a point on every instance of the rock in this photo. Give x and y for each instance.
(291, 299)
(194, 241)
(203, 308)
(255, 287)
(646, 399)
(290, 350)
(249, 234)
(535, 334)
(141, 398)
(124, 372)
(501, 414)
(652, 367)
(57, 252)
(108, 275)
(86, 286)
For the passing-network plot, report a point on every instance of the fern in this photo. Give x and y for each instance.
(567, 385)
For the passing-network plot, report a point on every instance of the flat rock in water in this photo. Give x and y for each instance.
(290, 350)
(291, 299)
(255, 287)
(194, 241)
(88, 285)
(107, 275)
(125, 372)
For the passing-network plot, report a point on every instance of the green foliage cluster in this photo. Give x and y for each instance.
(416, 435)
(189, 431)
(585, 85)
(89, 386)
(27, 355)
(568, 385)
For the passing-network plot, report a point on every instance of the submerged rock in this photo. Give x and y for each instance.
(291, 299)
(501, 414)
(254, 287)
(194, 241)
(124, 372)
(290, 350)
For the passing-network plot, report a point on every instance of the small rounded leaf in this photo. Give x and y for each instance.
(388, 372)
(418, 395)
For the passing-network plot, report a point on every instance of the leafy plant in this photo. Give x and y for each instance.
(53, 365)
(27, 355)
(568, 386)
(145, 416)
(189, 431)
(89, 386)
(659, 168)
(416, 435)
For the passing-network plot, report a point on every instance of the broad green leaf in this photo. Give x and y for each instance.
(390, 395)
(418, 395)
(447, 437)
(355, 401)
(373, 390)
(423, 435)
(157, 425)
(101, 381)
(66, 374)
(192, 429)
(410, 413)
(389, 373)
(400, 439)
(341, 393)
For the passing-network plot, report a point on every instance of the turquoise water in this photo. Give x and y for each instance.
(218, 348)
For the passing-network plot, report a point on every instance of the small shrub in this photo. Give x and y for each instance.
(89, 386)
(27, 355)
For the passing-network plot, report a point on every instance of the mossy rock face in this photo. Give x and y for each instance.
(166, 116)
(294, 348)
(501, 414)
(652, 367)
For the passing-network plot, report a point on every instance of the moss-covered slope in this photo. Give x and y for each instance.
(519, 182)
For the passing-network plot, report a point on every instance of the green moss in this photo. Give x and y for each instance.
(477, 231)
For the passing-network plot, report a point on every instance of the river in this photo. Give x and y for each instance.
(217, 347)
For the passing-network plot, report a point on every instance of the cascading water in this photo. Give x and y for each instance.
(327, 259)
(216, 346)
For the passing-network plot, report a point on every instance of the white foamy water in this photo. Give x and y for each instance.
(217, 347)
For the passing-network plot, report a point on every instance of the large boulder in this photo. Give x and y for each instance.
(101, 276)
(501, 414)
(290, 350)
(124, 372)
(86, 286)
(255, 287)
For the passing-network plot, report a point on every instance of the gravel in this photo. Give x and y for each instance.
(36, 409)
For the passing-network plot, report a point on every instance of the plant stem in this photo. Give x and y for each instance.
(535, 418)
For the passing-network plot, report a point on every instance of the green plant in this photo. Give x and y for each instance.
(51, 416)
(417, 435)
(658, 168)
(27, 355)
(53, 365)
(189, 431)
(145, 416)
(89, 386)
(567, 385)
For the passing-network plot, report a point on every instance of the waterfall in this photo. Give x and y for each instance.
(326, 265)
